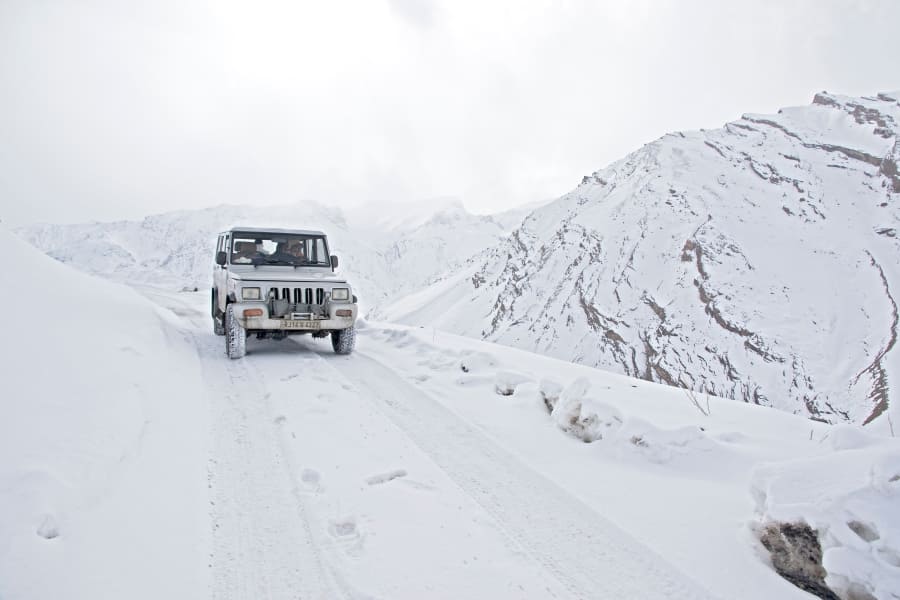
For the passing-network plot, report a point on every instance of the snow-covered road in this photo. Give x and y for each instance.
(338, 477)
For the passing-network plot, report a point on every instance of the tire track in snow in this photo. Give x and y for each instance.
(590, 556)
(263, 542)
(264, 546)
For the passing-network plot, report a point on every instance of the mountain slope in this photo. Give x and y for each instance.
(756, 262)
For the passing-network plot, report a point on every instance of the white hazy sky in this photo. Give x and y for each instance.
(115, 109)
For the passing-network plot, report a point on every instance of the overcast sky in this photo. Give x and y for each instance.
(114, 109)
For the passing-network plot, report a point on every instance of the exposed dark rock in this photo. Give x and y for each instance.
(823, 99)
(888, 167)
(849, 153)
(775, 125)
(656, 308)
(879, 392)
(797, 556)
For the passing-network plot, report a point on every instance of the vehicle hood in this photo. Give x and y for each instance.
(271, 274)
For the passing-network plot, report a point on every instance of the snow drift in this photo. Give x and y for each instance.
(697, 482)
(102, 440)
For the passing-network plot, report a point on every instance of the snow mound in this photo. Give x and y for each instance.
(662, 445)
(550, 392)
(506, 382)
(851, 498)
(477, 363)
(582, 416)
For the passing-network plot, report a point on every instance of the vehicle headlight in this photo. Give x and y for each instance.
(340, 294)
(250, 293)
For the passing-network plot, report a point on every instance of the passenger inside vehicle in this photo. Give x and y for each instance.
(243, 252)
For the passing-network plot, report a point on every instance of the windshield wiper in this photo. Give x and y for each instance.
(271, 261)
(308, 263)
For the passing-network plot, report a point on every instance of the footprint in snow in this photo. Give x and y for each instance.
(385, 477)
(49, 529)
(279, 420)
(343, 528)
(291, 376)
(312, 479)
(347, 535)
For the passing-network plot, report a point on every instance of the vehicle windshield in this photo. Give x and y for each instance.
(278, 249)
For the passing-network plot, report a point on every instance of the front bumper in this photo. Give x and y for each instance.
(265, 322)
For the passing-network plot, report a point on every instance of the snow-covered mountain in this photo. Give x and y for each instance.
(759, 262)
(382, 258)
(418, 250)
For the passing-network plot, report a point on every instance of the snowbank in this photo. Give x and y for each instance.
(680, 476)
(851, 497)
(582, 416)
(102, 440)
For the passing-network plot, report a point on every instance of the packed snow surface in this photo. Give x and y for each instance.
(425, 465)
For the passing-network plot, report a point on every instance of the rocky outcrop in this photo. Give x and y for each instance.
(797, 556)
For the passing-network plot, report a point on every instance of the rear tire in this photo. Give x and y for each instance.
(235, 335)
(218, 327)
(343, 340)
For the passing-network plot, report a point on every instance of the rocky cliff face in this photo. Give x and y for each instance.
(758, 262)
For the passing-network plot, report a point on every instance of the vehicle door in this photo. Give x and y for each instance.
(220, 273)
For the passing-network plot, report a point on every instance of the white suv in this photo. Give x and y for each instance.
(279, 282)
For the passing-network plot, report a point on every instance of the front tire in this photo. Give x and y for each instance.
(343, 340)
(235, 335)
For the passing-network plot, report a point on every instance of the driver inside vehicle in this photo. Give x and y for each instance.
(243, 251)
(297, 250)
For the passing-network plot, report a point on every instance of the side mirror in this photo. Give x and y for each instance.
(221, 257)
(334, 262)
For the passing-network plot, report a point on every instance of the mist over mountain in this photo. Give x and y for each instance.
(381, 255)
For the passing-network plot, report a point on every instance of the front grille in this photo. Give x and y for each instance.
(299, 295)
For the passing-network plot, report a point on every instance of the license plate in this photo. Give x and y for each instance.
(287, 324)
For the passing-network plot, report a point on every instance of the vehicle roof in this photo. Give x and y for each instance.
(274, 230)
